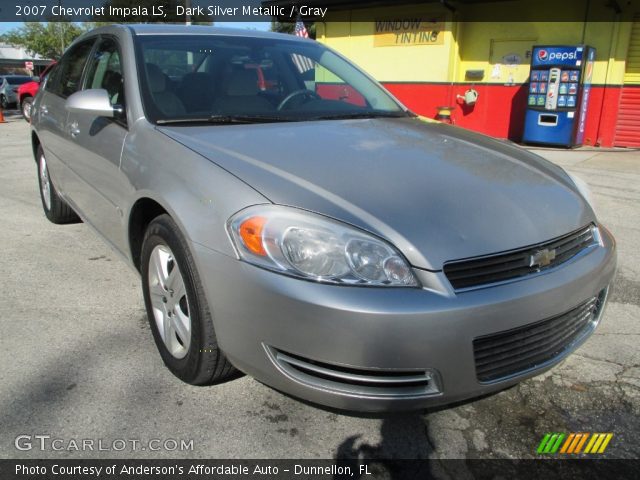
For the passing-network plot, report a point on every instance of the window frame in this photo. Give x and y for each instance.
(57, 70)
(118, 119)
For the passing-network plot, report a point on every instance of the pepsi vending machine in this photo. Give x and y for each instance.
(558, 99)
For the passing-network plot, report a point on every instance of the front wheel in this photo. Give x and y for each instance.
(3, 102)
(25, 107)
(55, 208)
(177, 309)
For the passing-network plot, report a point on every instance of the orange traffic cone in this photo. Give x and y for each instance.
(2, 120)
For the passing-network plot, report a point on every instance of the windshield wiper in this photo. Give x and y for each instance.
(343, 116)
(225, 119)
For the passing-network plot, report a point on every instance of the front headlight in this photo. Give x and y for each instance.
(307, 245)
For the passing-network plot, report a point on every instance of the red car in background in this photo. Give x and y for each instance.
(27, 92)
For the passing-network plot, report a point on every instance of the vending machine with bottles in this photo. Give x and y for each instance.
(558, 97)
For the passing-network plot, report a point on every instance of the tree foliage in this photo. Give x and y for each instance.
(45, 39)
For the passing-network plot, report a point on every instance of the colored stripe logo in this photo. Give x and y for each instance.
(574, 443)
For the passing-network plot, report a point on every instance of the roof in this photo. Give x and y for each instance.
(178, 29)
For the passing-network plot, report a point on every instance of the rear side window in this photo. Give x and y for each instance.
(67, 75)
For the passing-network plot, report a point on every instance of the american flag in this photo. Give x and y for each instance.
(301, 30)
(302, 63)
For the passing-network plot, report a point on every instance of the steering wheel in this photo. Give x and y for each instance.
(298, 93)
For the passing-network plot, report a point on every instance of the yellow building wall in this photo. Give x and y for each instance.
(501, 49)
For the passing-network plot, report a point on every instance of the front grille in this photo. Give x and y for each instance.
(501, 267)
(356, 381)
(516, 351)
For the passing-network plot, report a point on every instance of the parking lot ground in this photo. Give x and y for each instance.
(78, 359)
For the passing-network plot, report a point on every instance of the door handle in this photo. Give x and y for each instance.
(74, 130)
(44, 110)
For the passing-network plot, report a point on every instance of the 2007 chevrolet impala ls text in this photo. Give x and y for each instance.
(292, 220)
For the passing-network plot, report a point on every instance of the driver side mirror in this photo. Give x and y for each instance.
(36, 79)
(93, 101)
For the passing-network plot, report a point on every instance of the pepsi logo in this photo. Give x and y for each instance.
(542, 55)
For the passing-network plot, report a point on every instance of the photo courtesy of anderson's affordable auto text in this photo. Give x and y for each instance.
(320, 239)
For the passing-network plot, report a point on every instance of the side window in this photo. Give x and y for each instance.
(66, 78)
(51, 83)
(105, 71)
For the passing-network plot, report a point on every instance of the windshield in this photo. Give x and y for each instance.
(18, 80)
(225, 78)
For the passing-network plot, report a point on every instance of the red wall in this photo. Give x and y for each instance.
(499, 111)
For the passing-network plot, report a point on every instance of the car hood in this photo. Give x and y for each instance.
(436, 192)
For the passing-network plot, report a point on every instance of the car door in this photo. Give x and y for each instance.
(51, 115)
(97, 143)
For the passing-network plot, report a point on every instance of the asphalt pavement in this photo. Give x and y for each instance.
(79, 362)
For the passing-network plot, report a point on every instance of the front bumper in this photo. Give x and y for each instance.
(259, 314)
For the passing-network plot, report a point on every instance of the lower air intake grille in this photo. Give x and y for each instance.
(480, 271)
(357, 381)
(516, 351)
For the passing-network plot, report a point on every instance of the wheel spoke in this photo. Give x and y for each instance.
(157, 294)
(177, 287)
(181, 323)
(174, 278)
(168, 332)
(158, 267)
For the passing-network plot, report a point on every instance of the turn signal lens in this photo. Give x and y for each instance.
(251, 233)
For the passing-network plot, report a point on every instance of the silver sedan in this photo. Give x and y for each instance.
(290, 219)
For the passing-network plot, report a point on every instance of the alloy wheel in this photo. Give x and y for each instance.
(26, 110)
(45, 183)
(169, 301)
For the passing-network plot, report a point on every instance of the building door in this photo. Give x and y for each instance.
(628, 123)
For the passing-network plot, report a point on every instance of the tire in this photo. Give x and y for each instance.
(3, 102)
(177, 308)
(55, 208)
(25, 108)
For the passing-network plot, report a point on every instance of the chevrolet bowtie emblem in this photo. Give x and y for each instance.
(542, 258)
